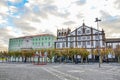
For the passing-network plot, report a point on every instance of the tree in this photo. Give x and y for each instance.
(42, 53)
(25, 55)
(51, 53)
(17, 54)
(117, 53)
(31, 53)
(65, 53)
(10, 54)
(71, 53)
(84, 54)
(59, 54)
(2, 55)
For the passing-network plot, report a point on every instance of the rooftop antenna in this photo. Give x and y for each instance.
(83, 23)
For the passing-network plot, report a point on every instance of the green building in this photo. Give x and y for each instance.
(41, 41)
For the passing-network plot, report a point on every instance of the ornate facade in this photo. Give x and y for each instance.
(82, 37)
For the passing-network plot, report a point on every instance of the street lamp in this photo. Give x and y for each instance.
(98, 20)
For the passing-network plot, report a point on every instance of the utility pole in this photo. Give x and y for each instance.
(98, 20)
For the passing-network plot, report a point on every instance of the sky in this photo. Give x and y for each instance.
(30, 17)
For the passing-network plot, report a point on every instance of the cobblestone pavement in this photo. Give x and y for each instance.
(10, 71)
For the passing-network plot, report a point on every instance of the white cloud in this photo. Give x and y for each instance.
(47, 15)
(15, 0)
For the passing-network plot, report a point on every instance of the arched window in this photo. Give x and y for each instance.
(65, 33)
(59, 34)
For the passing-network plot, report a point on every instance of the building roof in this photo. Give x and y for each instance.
(112, 40)
(83, 26)
(34, 36)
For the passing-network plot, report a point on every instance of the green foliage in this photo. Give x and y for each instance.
(117, 51)
(84, 52)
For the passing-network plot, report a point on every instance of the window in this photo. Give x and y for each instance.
(79, 38)
(79, 43)
(88, 37)
(49, 38)
(71, 38)
(59, 34)
(48, 43)
(58, 45)
(63, 45)
(79, 32)
(88, 31)
(46, 38)
(88, 42)
(103, 43)
(42, 43)
(96, 37)
(84, 43)
(27, 40)
(97, 43)
(83, 37)
(71, 44)
(96, 33)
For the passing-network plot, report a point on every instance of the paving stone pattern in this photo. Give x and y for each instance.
(16, 71)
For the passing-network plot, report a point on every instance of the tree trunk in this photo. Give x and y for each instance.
(81, 59)
(30, 59)
(100, 59)
(22, 59)
(25, 59)
(72, 58)
(118, 59)
(60, 59)
(2, 59)
(6, 59)
(15, 59)
(38, 60)
(18, 59)
(86, 60)
(76, 59)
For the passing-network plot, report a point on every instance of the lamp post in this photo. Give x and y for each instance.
(98, 20)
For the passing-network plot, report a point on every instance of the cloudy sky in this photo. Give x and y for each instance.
(30, 17)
